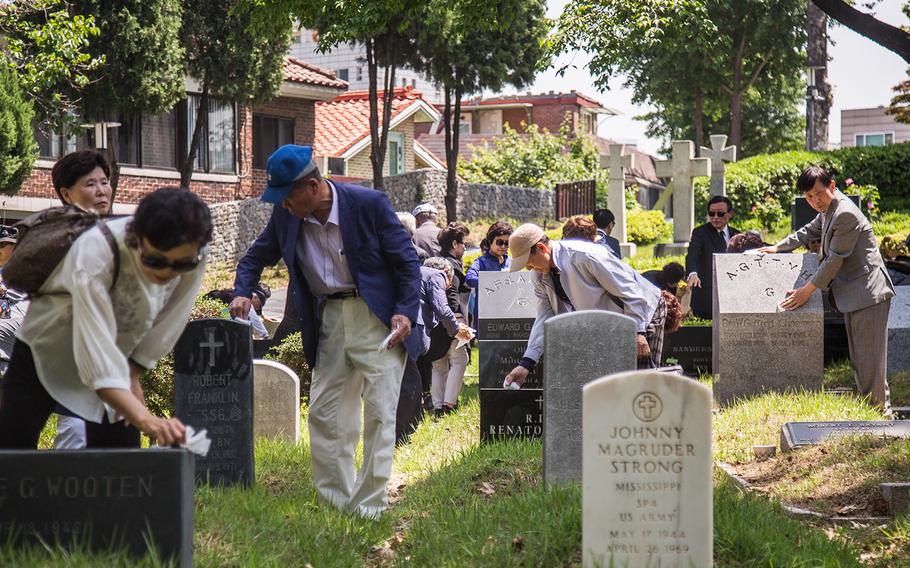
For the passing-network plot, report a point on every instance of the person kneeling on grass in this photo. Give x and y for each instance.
(94, 328)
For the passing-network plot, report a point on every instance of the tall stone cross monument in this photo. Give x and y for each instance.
(683, 166)
(616, 193)
(719, 153)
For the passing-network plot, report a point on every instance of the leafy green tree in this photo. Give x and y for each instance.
(48, 51)
(467, 47)
(693, 60)
(18, 150)
(535, 158)
(382, 26)
(900, 102)
(231, 59)
(142, 71)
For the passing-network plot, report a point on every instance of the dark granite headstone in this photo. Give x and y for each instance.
(213, 387)
(798, 434)
(691, 348)
(100, 499)
(510, 414)
(801, 213)
(507, 307)
(497, 358)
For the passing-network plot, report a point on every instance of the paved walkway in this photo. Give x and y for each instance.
(274, 306)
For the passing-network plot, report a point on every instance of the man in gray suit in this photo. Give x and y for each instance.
(853, 272)
(579, 275)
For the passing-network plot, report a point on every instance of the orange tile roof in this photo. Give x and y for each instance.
(297, 71)
(345, 120)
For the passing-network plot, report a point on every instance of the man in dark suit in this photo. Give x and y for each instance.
(708, 239)
(605, 221)
(354, 276)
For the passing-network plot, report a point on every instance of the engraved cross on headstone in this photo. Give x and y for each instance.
(719, 153)
(616, 188)
(683, 166)
(647, 403)
(213, 346)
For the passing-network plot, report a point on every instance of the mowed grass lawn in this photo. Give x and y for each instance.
(454, 503)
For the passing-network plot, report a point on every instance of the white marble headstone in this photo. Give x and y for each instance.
(647, 492)
(276, 401)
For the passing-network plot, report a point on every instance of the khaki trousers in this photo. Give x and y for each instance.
(353, 379)
(867, 336)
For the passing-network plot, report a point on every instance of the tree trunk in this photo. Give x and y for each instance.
(452, 120)
(736, 96)
(890, 37)
(186, 166)
(817, 49)
(699, 119)
(373, 71)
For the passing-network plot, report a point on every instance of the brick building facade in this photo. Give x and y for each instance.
(238, 139)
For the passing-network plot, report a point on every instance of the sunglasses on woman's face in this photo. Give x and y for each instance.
(501, 243)
(160, 263)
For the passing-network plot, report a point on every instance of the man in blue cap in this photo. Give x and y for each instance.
(355, 282)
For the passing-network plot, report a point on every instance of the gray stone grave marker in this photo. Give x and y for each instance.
(276, 397)
(616, 194)
(899, 331)
(719, 153)
(213, 388)
(758, 346)
(646, 491)
(683, 167)
(799, 434)
(507, 307)
(101, 499)
(579, 347)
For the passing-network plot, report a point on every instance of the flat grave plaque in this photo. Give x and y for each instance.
(101, 499)
(799, 434)
(213, 387)
(506, 414)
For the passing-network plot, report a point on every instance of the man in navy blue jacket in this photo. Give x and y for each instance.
(354, 280)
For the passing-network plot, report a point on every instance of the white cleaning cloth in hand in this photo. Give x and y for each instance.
(197, 442)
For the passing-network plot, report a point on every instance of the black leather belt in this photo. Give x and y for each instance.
(352, 293)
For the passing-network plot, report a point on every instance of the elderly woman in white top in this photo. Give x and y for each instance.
(87, 339)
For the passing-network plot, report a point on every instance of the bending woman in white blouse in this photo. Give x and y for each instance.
(86, 340)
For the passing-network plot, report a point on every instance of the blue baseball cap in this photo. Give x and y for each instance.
(287, 165)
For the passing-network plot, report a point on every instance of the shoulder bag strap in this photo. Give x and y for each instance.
(109, 237)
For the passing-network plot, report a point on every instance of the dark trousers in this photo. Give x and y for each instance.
(26, 406)
(409, 408)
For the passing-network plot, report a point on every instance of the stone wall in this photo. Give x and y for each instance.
(475, 200)
(235, 225)
(238, 223)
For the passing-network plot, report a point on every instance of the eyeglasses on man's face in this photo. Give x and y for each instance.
(716, 213)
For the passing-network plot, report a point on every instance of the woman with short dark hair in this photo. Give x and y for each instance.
(88, 336)
(495, 257)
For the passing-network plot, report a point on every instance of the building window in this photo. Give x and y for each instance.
(395, 155)
(360, 73)
(342, 74)
(413, 82)
(337, 166)
(53, 144)
(269, 134)
(875, 139)
(218, 140)
(159, 140)
(404, 82)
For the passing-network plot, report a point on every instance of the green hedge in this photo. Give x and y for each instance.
(763, 187)
(645, 227)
